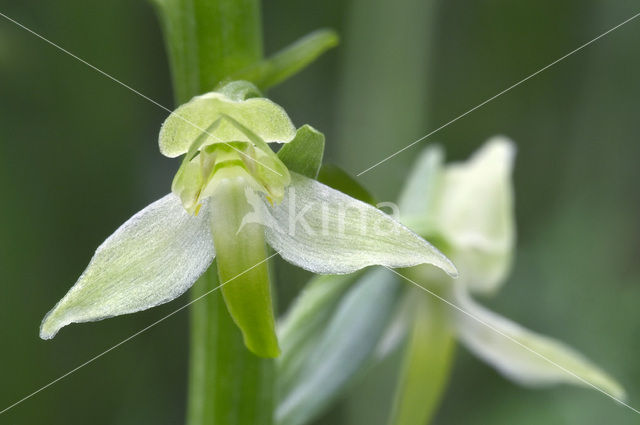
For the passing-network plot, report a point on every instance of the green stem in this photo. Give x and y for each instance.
(427, 362)
(227, 384)
(207, 41)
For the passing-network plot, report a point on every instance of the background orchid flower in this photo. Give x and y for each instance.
(468, 206)
(466, 209)
(230, 197)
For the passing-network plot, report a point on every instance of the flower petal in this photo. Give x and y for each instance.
(512, 349)
(419, 193)
(151, 259)
(325, 231)
(474, 215)
(265, 118)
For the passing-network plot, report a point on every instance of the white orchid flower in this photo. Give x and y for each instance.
(468, 208)
(230, 196)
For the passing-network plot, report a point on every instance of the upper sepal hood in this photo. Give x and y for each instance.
(469, 206)
(236, 100)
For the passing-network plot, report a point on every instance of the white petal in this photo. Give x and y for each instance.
(523, 356)
(422, 185)
(474, 215)
(151, 259)
(325, 231)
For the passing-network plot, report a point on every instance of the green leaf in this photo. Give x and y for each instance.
(303, 154)
(344, 347)
(427, 361)
(325, 231)
(333, 176)
(524, 356)
(306, 319)
(290, 60)
(151, 259)
(263, 117)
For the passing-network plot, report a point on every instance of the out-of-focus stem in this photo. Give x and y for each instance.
(427, 362)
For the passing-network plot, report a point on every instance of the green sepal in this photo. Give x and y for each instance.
(304, 153)
(266, 119)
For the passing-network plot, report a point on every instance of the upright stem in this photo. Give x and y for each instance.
(227, 384)
(207, 41)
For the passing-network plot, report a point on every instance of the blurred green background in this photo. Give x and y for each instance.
(78, 156)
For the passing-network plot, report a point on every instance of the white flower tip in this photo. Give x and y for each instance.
(50, 326)
(450, 268)
(500, 147)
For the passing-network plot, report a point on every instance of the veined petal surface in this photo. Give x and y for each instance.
(154, 257)
(325, 231)
(524, 356)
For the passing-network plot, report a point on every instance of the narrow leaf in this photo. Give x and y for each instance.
(306, 319)
(290, 60)
(344, 347)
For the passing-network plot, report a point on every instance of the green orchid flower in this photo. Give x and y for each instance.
(233, 195)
